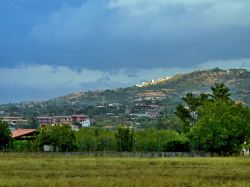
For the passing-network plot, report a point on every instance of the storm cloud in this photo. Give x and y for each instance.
(76, 44)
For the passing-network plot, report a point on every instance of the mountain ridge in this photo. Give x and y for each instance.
(168, 91)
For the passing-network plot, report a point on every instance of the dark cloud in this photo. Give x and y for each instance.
(124, 34)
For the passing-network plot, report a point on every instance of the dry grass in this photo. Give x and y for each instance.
(58, 170)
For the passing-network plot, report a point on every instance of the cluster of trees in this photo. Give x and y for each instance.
(59, 136)
(122, 139)
(215, 122)
(207, 122)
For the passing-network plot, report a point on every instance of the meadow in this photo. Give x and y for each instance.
(24, 170)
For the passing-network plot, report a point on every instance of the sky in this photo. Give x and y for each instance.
(49, 48)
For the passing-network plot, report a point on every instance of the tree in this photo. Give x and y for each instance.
(222, 128)
(220, 91)
(170, 122)
(60, 136)
(33, 122)
(214, 122)
(125, 138)
(5, 135)
(189, 114)
(96, 139)
(153, 140)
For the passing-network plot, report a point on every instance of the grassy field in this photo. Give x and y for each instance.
(58, 170)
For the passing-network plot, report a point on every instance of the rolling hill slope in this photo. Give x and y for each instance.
(167, 93)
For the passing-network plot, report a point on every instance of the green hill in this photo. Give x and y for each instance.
(165, 93)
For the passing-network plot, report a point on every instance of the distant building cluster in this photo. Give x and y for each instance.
(75, 121)
(15, 121)
(144, 110)
(152, 82)
(151, 96)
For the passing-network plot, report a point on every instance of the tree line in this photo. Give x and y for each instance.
(211, 123)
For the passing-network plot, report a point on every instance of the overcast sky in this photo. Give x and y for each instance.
(53, 47)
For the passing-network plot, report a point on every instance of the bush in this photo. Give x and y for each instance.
(160, 140)
(177, 146)
(95, 140)
(60, 136)
(22, 146)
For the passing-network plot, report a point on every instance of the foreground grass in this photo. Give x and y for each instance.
(58, 170)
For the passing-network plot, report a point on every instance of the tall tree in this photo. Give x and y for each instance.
(220, 91)
(5, 135)
(125, 138)
(189, 113)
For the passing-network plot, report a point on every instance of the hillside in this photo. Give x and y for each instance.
(167, 93)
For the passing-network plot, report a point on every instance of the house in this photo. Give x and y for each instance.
(63, 119)
(75, 121)
(23, 134)
(14, 121)
(45, 120)
(78, 118)
(86, 122)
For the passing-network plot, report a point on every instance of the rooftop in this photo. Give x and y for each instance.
(22, 132)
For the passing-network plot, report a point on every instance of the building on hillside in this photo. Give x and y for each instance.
(75, 121)
(78, 118)
(62, 119)
(45, 120)
(14, 121)
(145, 114)
(145, 110)
(151, 96)
(86, 122)
(141, 107)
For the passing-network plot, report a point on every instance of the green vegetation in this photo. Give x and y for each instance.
(151, 140)
(211, 123)
(42, 170)
(23, 146)
(125, 138)
(97, 139)
(208, 122)
(220, 92)
(222, 128)
(5, 136)
(60, 136)
(237, 80)
(215, 123)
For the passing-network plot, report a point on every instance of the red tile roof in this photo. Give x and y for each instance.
(22, 132)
